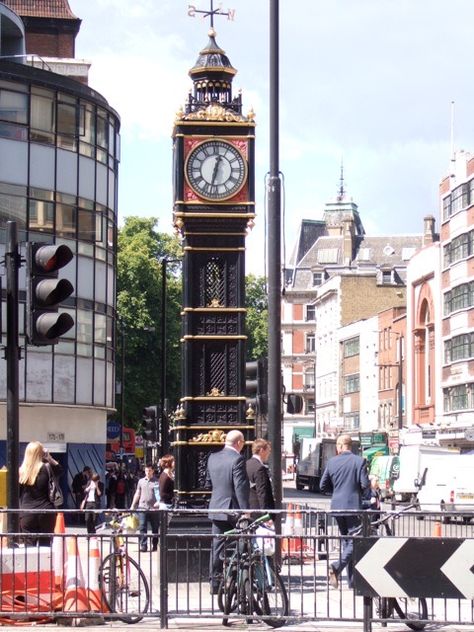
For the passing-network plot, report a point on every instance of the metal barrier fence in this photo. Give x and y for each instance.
(109, 575)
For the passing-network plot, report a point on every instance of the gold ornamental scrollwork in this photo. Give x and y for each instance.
(212, 112)
(215, 392)
(213, 436)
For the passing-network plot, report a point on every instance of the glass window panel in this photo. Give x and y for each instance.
(65, 220)
(13, 107)
(102, 129)
(66, 126)
(86, 226)
(12, 207)
(110, 236)
(42, 117)
(41, 216)
(99, 352)
(71, 334)
(101, 254)
(66, 119)
(100, 328)
(84, 326)
(85, 248)
(63, 347)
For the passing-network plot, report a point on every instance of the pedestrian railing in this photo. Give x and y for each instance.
(424, 563)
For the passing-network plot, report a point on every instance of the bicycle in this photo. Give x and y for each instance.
(413, 611)
(251, 584)
(124, 585)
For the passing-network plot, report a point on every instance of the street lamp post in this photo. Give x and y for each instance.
(164, 434)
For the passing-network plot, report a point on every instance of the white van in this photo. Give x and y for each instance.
(449, 484)
(413, 460)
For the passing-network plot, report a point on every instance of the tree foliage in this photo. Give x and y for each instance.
(257, 317)
(141, 249)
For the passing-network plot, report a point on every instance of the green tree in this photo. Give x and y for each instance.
(139, 305)
(257, 317)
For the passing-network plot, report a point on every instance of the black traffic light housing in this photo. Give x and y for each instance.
(294, 404)
(45, 292)
(150, 423)
(256, 385)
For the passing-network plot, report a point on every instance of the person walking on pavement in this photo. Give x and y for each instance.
(261, 491)
(93, 494)
(144, 499)
(37, 468)
(346, 478)
(226, 474)
(79, 484)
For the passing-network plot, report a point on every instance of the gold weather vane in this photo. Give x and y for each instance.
(230, 13)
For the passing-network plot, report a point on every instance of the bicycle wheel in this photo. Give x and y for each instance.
(228, 598)
(275, 598)
(410, 609)
(125, 587)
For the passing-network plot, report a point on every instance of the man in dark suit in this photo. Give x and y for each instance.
(261, 492)
(346, 477)
(230, 490)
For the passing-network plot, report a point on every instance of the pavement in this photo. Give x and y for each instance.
(213, 625)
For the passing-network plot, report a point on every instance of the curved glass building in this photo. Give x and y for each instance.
(59, 156)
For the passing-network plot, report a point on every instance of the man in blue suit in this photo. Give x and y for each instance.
(227, 475)
(346, 478)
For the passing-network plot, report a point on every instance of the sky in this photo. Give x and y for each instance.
(366, 82)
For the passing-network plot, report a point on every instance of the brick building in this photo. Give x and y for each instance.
(50, 36)
(337, 275)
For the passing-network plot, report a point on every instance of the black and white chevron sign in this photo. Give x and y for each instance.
(414, 567)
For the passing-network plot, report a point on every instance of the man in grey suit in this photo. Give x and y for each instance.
(227, 475)
(346, 477)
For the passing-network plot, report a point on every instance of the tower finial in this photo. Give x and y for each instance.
(342, 192)
(230, 13)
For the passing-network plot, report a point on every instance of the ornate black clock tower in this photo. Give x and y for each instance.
(214, 207)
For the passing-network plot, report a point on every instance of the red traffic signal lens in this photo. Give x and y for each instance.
(50, 258)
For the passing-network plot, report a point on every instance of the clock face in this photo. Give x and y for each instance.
(216, 170)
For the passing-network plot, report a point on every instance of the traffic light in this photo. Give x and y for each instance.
(256, 385)
(294, 404)
(150, 426)
(262, 386)
(45, 292)
(251, 369)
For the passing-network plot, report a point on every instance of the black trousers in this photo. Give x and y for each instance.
(216, 562)
(91, 517)
(38, 523)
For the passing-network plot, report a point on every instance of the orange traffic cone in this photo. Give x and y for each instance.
(296, 543)
(437, 529)
(75, 597)
(58, 549)
(287, 530)
(94, 594)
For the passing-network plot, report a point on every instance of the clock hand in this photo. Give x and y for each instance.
(216, 168)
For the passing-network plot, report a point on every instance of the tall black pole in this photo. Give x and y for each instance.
(122, 387)
(274, 264)
(12, 263)
(163, 421)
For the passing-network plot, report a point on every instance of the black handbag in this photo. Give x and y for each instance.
(54, 491)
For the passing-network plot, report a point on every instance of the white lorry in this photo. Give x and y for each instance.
(449, 485)
(413, 459)
(314, 455)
